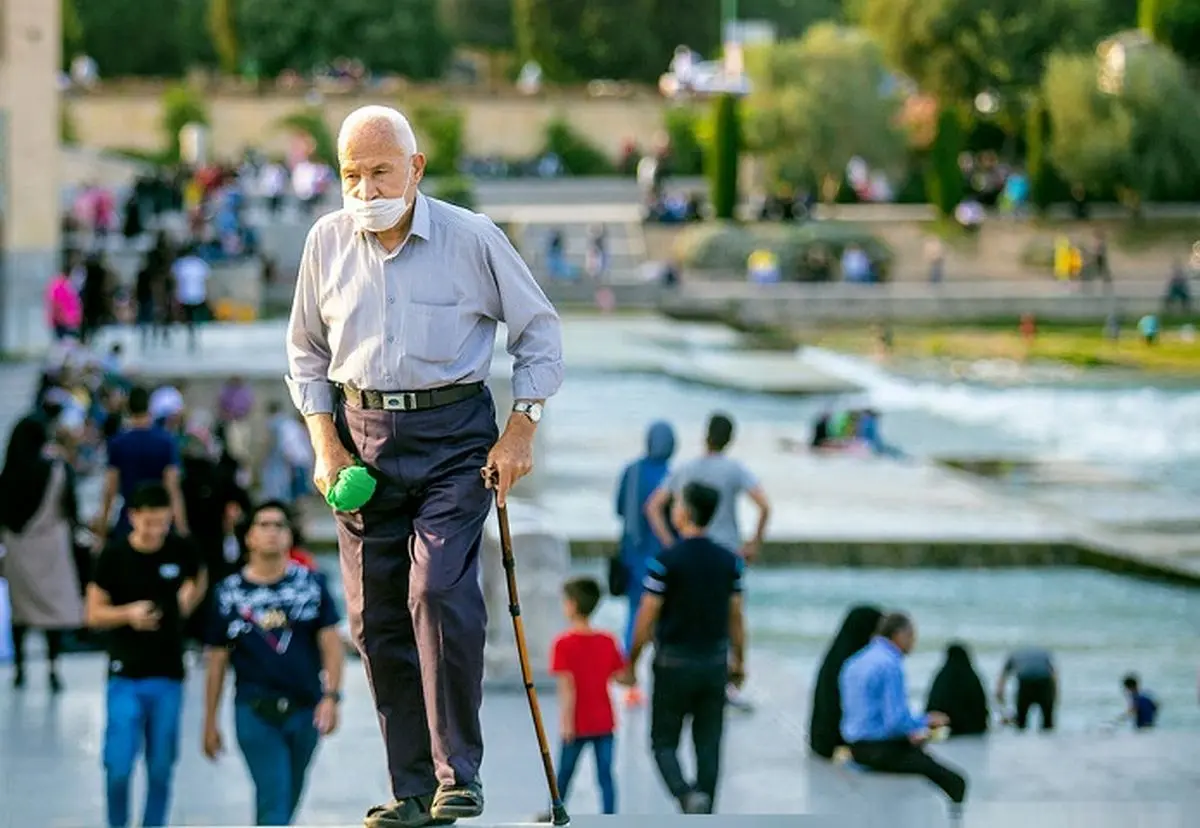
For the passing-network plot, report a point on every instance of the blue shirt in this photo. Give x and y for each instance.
(271, 631)
(1145, 710)
(874, 697)
(141, 455)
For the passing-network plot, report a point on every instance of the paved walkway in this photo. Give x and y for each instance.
(50, 769)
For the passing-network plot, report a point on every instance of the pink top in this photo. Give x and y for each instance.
(62, 303)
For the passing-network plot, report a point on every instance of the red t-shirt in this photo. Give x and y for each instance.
(591, 658)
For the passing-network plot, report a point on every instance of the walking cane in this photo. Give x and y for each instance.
(558, 811)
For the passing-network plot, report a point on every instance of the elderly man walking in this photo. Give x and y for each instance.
(389, 346)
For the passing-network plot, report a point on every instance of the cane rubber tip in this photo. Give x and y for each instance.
(560, 816)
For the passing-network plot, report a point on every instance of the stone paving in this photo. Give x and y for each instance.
(50, 768)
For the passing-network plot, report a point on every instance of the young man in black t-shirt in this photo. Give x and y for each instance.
(143, 590)
(692, 609)
(276, 624)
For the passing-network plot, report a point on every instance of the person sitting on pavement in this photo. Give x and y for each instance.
(825, 727)
(958, 692)
(1142, 708)
(882, 732)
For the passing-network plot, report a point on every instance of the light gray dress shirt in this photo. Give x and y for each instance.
(420, 317)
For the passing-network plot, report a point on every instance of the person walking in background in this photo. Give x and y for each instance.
(882, 732)
(94, 296)
(1141, 708)
(825, 727)
(692, 610)
(958, 692)
(1037, 685)
(144, 589)
(64, 309)
(731, 479)
(639, 545)
(38, 514)
(585, 660)
(191, 274)
(275, 623)
(142, 453)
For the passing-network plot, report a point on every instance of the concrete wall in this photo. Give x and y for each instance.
(29, 155)
(509, 126)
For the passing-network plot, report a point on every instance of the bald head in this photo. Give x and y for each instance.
(379, 125)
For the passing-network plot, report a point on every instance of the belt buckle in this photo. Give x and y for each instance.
(400, 402)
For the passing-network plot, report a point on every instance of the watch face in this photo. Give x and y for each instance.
(531, 410)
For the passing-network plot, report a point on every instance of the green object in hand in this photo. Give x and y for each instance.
(352, 489)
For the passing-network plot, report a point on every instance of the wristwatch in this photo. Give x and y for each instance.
(334, 696)
(532, 410)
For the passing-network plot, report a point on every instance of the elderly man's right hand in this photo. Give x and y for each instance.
(331, 458)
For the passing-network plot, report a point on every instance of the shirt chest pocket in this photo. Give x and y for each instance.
(432, 333)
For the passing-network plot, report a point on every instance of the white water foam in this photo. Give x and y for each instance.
(1113, 425)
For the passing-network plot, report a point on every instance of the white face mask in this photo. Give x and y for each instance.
(376, 215)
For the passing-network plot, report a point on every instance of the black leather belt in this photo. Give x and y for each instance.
(410, 400)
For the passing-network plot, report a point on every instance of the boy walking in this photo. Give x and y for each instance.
(585, 660)
(692, 609)
(275, 623)
(143, 590)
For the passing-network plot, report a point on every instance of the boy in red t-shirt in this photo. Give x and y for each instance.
(585, 660)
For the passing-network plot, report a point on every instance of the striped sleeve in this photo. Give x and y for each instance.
(656, 576)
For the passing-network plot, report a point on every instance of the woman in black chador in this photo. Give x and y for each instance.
(824, 732)
(958, 692)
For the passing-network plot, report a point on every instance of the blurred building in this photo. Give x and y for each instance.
(30, 47)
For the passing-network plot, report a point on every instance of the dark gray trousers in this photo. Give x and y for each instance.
(410, 563)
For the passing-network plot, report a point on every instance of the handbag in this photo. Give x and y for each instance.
(618, 576)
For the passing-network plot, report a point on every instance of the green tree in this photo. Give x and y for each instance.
(1139, 138)
(792, 18)
(479, 24)
(1179, 27)
(818, 102)
(222, 29)
(127, 38)
(402, 36)
(577, 41)
(723, 156)
(72, 33)
(956, 49)
(944, 179)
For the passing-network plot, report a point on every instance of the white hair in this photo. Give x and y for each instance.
(375, 115)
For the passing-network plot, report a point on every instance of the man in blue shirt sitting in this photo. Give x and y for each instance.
(877, 723)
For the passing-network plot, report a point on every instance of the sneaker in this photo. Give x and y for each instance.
(697, 802)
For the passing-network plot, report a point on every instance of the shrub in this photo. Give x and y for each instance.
(181, 106)
(578, 155)
(456, 189)
(725, 247)
(311, 122)
(442, 129)
(945, 178)
(682, 127)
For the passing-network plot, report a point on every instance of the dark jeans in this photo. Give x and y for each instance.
(410, 567)
(602, 746)
(683, 690)
(1037, 693)
(54, 645)
(901, 756)
(277, 755)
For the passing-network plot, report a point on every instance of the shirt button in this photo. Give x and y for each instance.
(391, 300)
(391, 339)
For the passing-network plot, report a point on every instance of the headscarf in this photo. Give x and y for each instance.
(638, 481)
(958, 692)
(25, 476)
(824, 732)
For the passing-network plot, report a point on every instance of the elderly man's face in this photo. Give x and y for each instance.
(374, 165)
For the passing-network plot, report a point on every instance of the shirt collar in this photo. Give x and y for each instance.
(887, 645)
(421, 222)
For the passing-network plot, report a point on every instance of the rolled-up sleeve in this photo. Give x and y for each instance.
(534, 329)
(307, 344)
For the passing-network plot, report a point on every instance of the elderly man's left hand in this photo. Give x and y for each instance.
(511, 458)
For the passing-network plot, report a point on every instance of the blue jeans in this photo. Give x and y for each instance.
(141, 711)
(603, 746)
(277, 755)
